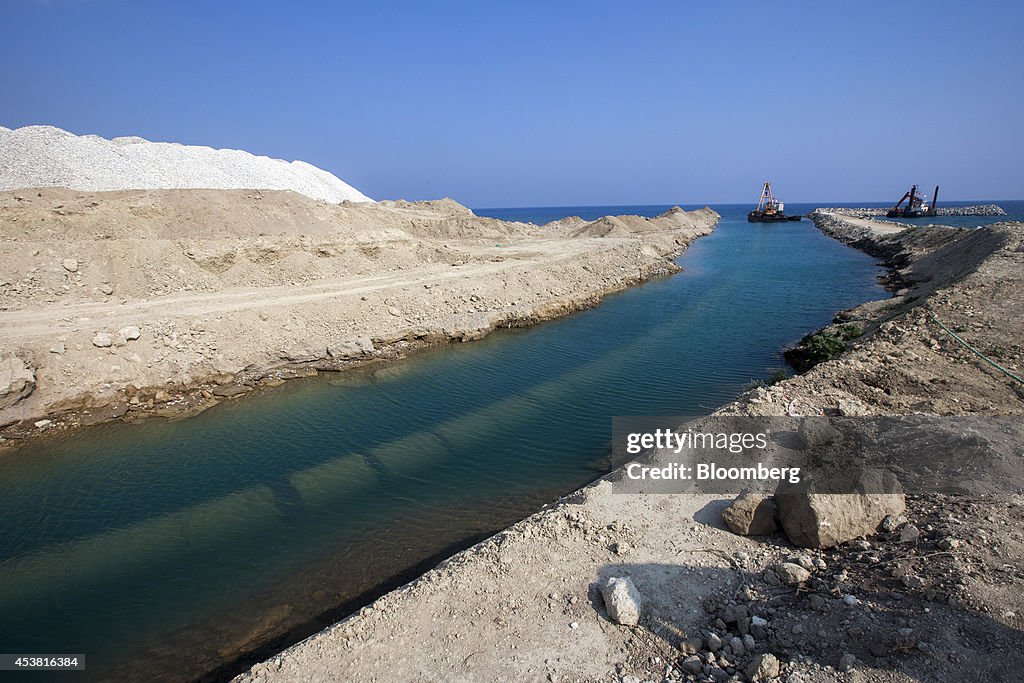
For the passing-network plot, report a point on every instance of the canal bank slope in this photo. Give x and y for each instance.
(524, 605)
(128, 303)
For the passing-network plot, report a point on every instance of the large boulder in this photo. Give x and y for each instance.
(823, 511)
(17, 380)
(622, 600)
(751, 514)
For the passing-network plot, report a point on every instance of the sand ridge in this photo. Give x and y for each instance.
(124, 303)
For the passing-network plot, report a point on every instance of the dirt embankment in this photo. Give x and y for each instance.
(900, 359)
(935, 597)
(128, 303)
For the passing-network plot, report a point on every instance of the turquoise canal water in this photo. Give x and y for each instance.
(177, 550)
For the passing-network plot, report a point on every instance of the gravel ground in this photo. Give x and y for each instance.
(44, 156)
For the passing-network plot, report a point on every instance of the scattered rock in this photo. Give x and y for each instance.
(692, 665)
(763, 667)
(17, 381)
(909, 534)
(102, 340)
(847, 662)
(621, 548)
(70, 265)
(817, 602)
(622, 600)
(130, 333)
(815, 519)
(691, 646)
(713, 642)
(851, 408)
(58, 348)
(751, 514)
(43, 424)
(892, 522)
(791, 574)
(106, 289)
(348, 349)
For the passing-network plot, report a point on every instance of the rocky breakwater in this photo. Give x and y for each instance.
(978, 210)
(122, 304)
(871, 235)
(871, 212)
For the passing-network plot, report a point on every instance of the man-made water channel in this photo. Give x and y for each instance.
(165, 550)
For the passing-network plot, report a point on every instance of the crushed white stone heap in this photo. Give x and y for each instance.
(44, 156)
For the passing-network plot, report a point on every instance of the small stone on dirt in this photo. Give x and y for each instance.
(762, 668)
(751, 514)
(102, 340)
(791, 574)
(692, 665)
(622, 600)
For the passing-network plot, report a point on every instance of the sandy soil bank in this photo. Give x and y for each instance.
(524, 605)
(120, 304)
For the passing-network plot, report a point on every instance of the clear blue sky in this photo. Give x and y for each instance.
(549, 103)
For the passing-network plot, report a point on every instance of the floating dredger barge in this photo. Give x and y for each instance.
(769, 209)
(916, 206)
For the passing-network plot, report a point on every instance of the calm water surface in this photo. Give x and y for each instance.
(173, 550)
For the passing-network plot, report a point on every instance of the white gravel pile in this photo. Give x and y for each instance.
(44, 156)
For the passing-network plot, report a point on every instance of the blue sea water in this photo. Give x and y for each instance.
(166, 550)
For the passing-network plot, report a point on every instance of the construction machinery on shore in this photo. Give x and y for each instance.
(769, 209)
(916, 206)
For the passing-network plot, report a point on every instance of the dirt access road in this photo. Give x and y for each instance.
(25, 324)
